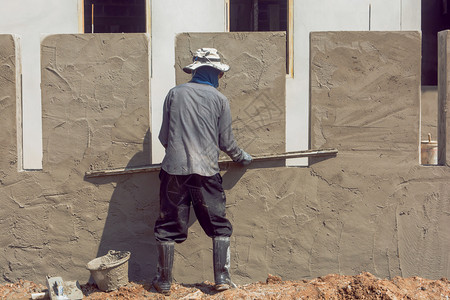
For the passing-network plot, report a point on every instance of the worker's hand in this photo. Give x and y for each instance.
(246, 158)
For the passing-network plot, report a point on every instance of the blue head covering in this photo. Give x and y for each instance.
(206, 75)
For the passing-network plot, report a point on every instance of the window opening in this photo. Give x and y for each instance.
(262, 15)
(435, 17)
(113, 16)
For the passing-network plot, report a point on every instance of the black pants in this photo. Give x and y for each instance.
(177, 192)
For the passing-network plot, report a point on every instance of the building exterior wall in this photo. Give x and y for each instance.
(331, 15)
(366, 100)
(8, 94)
(95, 115)
(255, 85)
(443, 101)
(30, 19)
(372, 208)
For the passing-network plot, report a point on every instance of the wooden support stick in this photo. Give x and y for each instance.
(92, 19)
(256, 158)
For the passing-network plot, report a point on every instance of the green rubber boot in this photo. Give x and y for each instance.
(163, 280)
(221, 257)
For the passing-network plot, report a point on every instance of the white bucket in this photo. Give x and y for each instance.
(429, 152)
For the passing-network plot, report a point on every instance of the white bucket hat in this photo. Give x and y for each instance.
(206, 57)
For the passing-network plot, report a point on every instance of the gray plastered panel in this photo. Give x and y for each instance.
(372, 208)
(443, 98)
(254, 85)
(95, 99)
(95, 91)
(8, 85)
(365, 101)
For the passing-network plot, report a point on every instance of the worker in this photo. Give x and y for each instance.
(196, 125)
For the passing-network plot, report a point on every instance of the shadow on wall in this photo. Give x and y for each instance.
(134, 208)
(316, 160)
(132, 212)
(234, 171)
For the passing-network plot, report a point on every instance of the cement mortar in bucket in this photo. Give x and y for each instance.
(428, 152)
(111, 270)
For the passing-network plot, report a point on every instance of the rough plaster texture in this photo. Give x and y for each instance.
(8, 73)
(96, 116)
(255, 84)
(95, 91)
(391, 211)
(372, 208)
(443, 97)
(336, 15)
(255, 87)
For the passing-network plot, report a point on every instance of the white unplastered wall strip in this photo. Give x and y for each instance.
(18, 72)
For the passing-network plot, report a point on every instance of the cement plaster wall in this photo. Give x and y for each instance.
(8, 93)
(443, 98)
(333, 15)
(372, 208)
(95, 115)
(255, 84)
(365, 101)
(30, 19)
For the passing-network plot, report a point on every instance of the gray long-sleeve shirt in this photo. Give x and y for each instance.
(196, 124)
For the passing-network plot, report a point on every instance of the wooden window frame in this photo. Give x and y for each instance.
(148, 23)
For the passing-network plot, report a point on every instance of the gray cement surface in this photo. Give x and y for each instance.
(443, 97)
(255, 84)
(372, 208)
(391, 213)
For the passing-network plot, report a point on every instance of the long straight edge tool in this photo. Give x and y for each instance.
(261, 157)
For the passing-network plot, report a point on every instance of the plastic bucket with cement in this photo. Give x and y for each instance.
(428, 152)
(111, 270)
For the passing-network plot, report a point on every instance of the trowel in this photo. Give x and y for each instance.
(63, 290)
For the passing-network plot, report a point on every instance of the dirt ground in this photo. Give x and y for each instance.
(363, 286)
